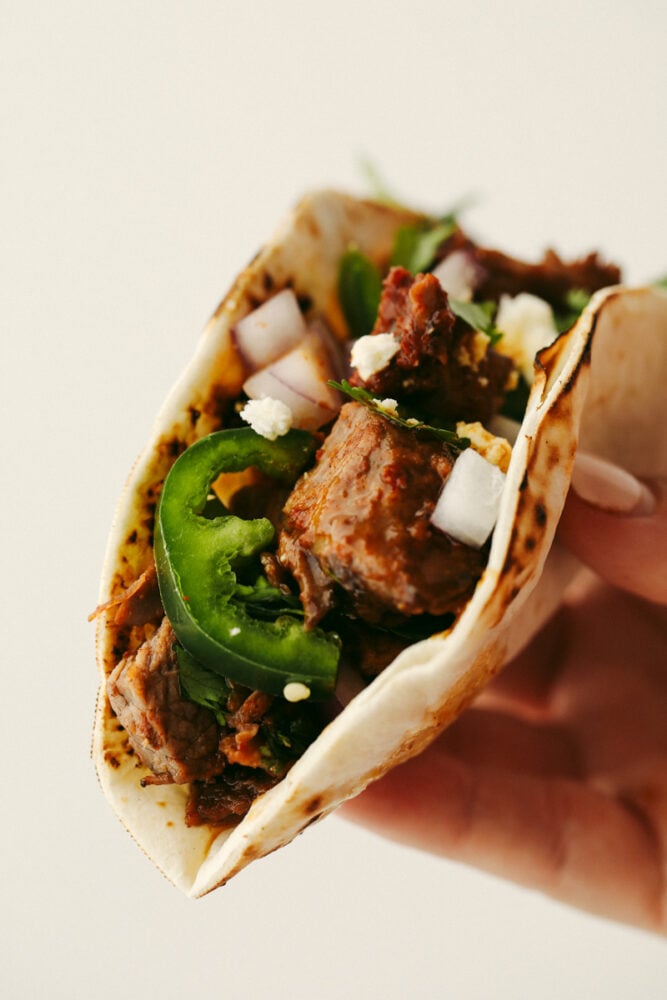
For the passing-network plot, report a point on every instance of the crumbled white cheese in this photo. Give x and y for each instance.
(473, 349)
(496, 450)
(269, 417)
(296, 691)
(527, 325)
(389, 406)
(373, 353)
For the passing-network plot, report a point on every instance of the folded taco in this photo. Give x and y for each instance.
(341, 527)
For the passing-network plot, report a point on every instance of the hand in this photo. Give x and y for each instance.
(557, 777)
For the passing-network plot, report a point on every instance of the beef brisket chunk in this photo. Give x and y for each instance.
(227, 765)
(174, 737)
(227, 798)
(356, 531)
(550, 279)
(444, 370)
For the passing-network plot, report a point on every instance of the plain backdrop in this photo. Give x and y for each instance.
(148, 148)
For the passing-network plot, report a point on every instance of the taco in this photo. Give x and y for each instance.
(339, 530)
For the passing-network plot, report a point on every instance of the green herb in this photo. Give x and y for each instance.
(359, 291)
(288, 735)
(415, 246)
(379, 189)
(285, 733)
(576, 301)
(478, 315)
(262, 600)
(202, 686)
(514, 405)
(410, 424)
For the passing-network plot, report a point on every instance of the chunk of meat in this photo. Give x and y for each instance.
(138, 604)
(225, 799)
(444, 369)
(175, 738)
(244, 745)
(181, 742)
(550, 279)
(356, 529)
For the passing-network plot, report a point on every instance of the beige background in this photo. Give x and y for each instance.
(147, 149)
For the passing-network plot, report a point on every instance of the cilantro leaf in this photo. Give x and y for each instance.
(478, 315)
(359, 291)
(379, 189)
(411, 424)
(201, 685)
(516, 401)
(262, 600)
(415, 246)
(576, 300)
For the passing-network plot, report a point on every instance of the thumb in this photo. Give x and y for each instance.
(617, 525)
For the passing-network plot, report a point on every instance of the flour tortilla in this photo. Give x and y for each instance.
(606, 375)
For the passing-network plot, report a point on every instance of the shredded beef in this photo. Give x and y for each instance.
(369, 650)
(357, 533)
(227, 798)
(177, 739)
(182, 742)
(551, 278)
(442, 370)
(138, 604)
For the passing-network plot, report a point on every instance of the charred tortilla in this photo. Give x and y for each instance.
(616, 352)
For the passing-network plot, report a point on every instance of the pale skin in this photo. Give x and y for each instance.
(557, 777)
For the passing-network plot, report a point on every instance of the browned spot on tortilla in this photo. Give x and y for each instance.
(313, 227)
(314, 805)
(195, 414)
(529, 543)
(267, 281)
(111, 760)
(169, 823)
(540, 514)
(553, 457)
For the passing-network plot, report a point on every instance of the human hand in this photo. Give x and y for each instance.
(557, 777)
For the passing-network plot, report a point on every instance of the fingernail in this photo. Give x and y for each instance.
(609, 487)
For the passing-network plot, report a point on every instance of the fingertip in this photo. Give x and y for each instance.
(627, 549)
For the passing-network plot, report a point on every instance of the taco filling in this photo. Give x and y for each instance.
(344, 512)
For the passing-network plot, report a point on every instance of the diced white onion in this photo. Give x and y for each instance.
(270, 331)
(299, 379)
(335, 352)
(467, 508)
(458, 274)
